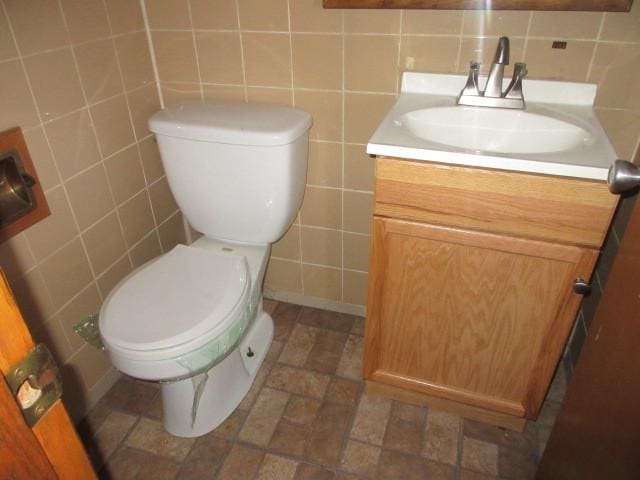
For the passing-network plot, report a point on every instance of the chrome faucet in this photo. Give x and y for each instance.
(493, 96)
(493, 87)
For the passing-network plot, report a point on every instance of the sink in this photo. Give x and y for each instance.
(494, 130)
(558, 132)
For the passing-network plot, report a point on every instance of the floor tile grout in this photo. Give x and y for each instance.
(511, 450)
(460, 446)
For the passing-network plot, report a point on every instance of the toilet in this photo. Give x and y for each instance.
(192, 319)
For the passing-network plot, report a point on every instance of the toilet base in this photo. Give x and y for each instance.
(228, 383)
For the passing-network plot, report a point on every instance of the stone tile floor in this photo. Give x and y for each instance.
(307, 417)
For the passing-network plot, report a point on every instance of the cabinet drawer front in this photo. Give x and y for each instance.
(548, 208)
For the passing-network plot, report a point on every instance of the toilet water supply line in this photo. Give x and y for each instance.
(154, 65)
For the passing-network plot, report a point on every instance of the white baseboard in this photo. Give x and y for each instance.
(315, 302)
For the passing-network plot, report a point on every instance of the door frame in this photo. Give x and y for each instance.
(53, 438)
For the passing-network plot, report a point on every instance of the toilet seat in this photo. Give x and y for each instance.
(175, 304)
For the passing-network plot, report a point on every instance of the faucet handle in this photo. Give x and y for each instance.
(520, 69)
(471, 88)
(514, 90)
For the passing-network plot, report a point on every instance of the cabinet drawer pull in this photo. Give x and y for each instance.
(581, 287)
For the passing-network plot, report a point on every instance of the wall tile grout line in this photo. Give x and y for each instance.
(152, 51)
(52, 323)
(135, 138)
(66, 195)
(595, 49)
(100, 150)
(195, 49)
(71, 45)
(343, 85)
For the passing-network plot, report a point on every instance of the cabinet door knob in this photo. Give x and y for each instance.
(581, 287)
(623, 176)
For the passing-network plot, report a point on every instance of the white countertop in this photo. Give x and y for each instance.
(571, 102)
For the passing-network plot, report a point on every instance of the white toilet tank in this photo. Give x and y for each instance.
(236, 170)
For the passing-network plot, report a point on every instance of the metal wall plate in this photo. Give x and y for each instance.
(36, 383)
(16, 197)
(88, 330)
(22, 200)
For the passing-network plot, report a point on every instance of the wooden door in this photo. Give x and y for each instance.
(51, 448)
(472, 317)
(597, 432)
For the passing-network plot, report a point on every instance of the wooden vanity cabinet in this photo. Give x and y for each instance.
(471, 280)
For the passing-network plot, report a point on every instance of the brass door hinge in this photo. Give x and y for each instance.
(35, 383)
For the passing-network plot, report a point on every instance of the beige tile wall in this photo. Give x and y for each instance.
(77, 76)
(344, 68)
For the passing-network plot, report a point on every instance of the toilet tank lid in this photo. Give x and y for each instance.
(233, 123)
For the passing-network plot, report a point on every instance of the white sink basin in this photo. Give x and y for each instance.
(557, 133)
(494, 130)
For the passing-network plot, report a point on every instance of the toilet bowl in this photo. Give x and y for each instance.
(192, 318)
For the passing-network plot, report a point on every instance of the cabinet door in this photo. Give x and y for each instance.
(469, 316)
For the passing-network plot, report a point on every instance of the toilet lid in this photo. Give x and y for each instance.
(183, 296)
